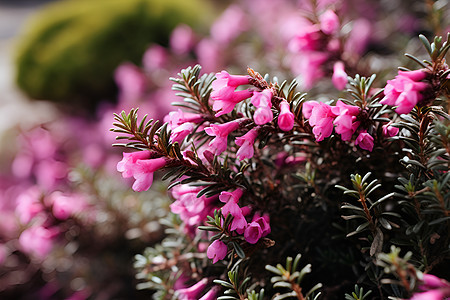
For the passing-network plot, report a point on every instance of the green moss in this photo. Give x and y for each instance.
(72, 47)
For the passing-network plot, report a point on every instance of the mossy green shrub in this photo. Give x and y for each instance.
(70, 49)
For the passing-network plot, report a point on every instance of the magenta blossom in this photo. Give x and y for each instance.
(286, 117)
(345, 121)
(217, 251)
(364, 141)
(263, 223)
(182, 131)
(66, 205)
(231, 196)
(38, 240)
(253, 232)
(429, 295)
(224, 95)
(307, 40)
(128, 163)
(192, 292)
(221, 132)
(262, 99)
(389, 130)
(143, 172)
(329, 22)
(211, 294)
(405, 90)
(239, 223)
(321, 118)
(246, 142)
(179, 117)
(339, 77)
(182, 39)
(29, 205)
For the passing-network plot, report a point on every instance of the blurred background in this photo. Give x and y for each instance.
(69, 224)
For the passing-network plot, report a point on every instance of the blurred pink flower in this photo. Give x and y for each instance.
(217, 251)
(209, 55)
(429, 295)
(306, 40)
(359, 37)
(211, 294)
(37, 240)
(229, 25)
(66, 205)
(286, 117)
(231, 196)
(246, 143)
(155, 57)
(3, 253)
(329, 22)
(29, 204)
(339, 77)
(364, 141)
(131, 81)
(182, 39)
(192, 292)
(309, 66)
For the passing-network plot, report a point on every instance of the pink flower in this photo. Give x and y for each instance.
(131, 82)
(345, 121)
(239, 223)
(179, 117)
(217, 251)
(263, 223)
(389, 131)
(253, 232)
(3, 253)
(339, 77)
(262, 99)
(182, 39)
(221, 132)
(359, 38)
(192, 292)
(224, 95)
(128, 163)
(405, 90)
(309, 66)
(229, 25)
(231, 196)
(263, 102)
(155, 57)
(285, 118)
(364, 141)
(182, 131)
(307, 40)
(29, 205)
(37, 240)
(192, 210)
(65, 205)
(433, 282)
(143, 172)
(209, 53)
(246, 142)
(321, 118)
(329, 22)
(263, 115)
(430, 295)
(211, 294)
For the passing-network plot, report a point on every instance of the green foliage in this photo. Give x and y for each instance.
(71, 48)
(288, 277)
(358, 294)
